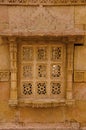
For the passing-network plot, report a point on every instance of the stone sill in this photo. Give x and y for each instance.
(41, 103)
(41, 126)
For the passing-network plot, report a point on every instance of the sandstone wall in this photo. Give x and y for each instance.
(24, 20)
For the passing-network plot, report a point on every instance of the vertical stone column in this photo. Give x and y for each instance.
(70, 60)
(13, 72)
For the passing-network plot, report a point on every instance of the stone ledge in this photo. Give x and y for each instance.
(40, 126)
(42, 103)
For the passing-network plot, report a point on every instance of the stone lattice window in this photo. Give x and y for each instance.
(42, 71)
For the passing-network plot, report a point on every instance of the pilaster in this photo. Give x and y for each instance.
(70, 58)
(13, 72)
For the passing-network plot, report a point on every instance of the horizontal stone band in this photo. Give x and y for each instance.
(42, 2)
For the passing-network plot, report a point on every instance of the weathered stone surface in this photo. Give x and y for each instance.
(39, 126)
(57, 25)
(38, 20)
(79, 57)
(4, 55)
(79, 91)
(80, 18)
(43, 2)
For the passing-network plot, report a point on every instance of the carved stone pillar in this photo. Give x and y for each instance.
(13, 72)
(70, 56)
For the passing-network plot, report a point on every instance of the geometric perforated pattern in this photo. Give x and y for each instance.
(41, 88)
(55, 88)
(55, 70)
(41, 53)
(42, 70)
(27, 71)
(27, 88)
(56, 53)
(27, 53)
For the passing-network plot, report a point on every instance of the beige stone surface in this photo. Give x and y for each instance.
(80, 15)
(4, 62)
(79, 58)
(80, 76)
(79, 26)
(39, 20)
(4, 93)
(4, 56)
(33, 19)
(4, 19)
(28, 20)
(80, 91)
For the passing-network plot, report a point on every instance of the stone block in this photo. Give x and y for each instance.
(41, 19)
(4, 14)
(4, 56)
(79, 58)
(80, 14)
(79, 27)
(79, 91)
(4, 91)
(80, 76)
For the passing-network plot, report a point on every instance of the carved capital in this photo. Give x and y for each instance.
(11, 39)
(70, 102)
(13, 103)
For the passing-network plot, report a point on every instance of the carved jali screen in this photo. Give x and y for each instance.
(42, 70)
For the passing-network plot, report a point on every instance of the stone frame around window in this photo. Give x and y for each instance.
(15, 101)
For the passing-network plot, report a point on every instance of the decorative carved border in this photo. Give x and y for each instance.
(4, 75)
(43, 2)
